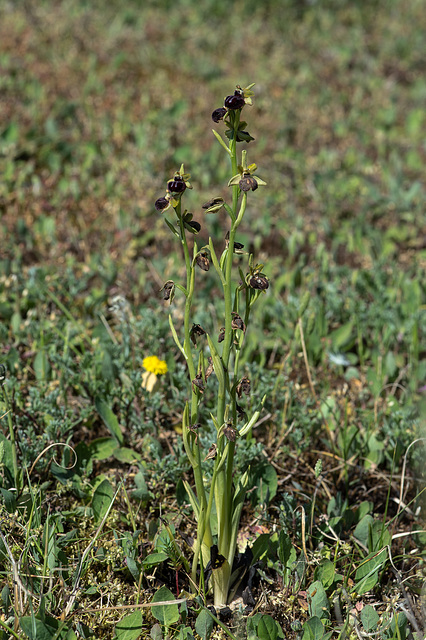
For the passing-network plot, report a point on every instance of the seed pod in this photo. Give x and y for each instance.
(247, 182)
(221, 337)
(243, 387)
(235, 102)
(218, 114)
(259, 282)
(161, 204)
(202, 261)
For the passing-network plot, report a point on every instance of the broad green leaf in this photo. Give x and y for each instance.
(130, 627)
(9, 500)
(167, 614)
(102, 448)
(154, 558)
(156, 632)
(109, 419)
(267, 628)
(142, 492)
(41, 365)
(366, 576)
(124, 454)
(369, 618)
(325, 573)
(318, 601)
(264, 478)
(38, 630)
(341, 336)
(285, 547)
(204, 624)
(313, 629)
(260, 546)
(102, 499)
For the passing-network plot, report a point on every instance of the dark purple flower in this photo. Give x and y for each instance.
(235, 102)
(218, 114)
(247, 182)
(161, 204)
(177, 185)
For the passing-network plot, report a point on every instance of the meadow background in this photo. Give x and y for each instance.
(99, 104)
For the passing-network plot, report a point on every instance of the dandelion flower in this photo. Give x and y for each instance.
(155, 365)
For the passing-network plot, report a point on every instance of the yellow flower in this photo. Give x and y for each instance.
(155, 365)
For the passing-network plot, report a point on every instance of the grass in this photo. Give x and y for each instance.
(100, 104)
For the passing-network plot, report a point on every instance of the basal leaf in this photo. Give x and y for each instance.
(109, 419)
(129, 627)
(102, 499)
(168, 613)
(204, 624)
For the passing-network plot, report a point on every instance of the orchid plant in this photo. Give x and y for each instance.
(205, 354)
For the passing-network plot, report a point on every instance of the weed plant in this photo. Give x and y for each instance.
(226, 490)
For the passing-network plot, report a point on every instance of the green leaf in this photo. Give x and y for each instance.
(261, 546)
(318, 601)
(369, 618)
(264, 479)
(325, 573)
(204, 624)
(102, 499)
(313, 629)
(124, 454)
(267, 628)
(167, 614)
(142, 492)
(9, 500)
(341, 336)
(36, 629)
(154, 558)
(367, 573)
(130, 627)
(102, 448)
(41, 365)
(109, 419)
(285, 547)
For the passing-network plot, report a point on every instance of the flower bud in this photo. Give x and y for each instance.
(218, 114)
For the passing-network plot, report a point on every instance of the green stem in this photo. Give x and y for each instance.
(16, 474)
(191, 443)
